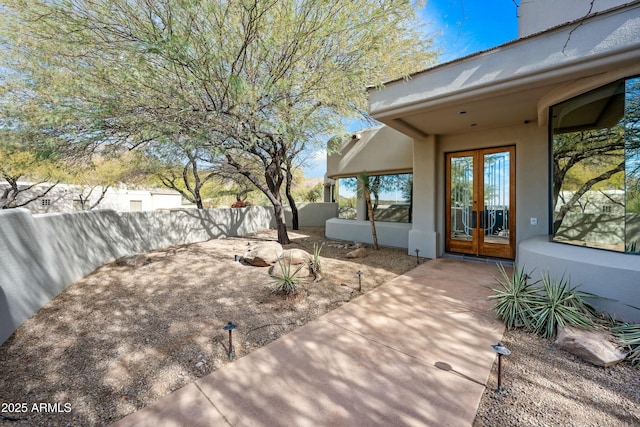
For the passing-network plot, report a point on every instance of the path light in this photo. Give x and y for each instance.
(417, 257)
(230, 327)
(359, 273)
(501, 350)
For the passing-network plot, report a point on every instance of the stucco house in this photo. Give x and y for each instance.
(64, 198)
(529, 151)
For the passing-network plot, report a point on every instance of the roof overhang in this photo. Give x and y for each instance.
(516, 82)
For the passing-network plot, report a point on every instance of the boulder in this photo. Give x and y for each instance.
(592, 346)
(263, 254)
(276, 270)
(295, 256)
(358, 253)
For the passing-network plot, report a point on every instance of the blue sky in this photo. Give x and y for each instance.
(459, 28)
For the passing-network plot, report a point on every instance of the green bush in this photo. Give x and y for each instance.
(628, 336)
(288, 282)
(560, 305)
(541, 309)
(514, 298)
(314, 260)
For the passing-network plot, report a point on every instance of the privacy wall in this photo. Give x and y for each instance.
(41, 255)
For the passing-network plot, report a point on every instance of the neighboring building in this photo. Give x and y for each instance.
(509, 143)
(66, 198)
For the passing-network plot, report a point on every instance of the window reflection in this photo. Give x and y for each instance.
(390, 197)
(596, 167)
(347, 197)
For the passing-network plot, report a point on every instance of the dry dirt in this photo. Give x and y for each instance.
(123, 337)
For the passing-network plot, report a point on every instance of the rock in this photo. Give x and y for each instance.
(263, 254)
(133, 261)
(592, 346)
(200, 364)
(295, 256)
(358, 253)
(276, 270)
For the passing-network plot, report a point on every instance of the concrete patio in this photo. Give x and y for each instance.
(413, 352)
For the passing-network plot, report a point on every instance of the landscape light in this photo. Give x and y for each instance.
(502, 351)
(230, 327)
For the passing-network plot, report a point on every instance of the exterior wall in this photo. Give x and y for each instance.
(62, 198)
(532, 174)
(375, 150)
(312, 214)
(425, 235)
(539, 15)
(394, 234)
(41, 255)
(165, 200)
(612, 275)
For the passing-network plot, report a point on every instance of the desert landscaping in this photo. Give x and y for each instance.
(135, 330)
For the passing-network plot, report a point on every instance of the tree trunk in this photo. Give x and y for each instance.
(281, 225)
(372, 220)
(292, 203)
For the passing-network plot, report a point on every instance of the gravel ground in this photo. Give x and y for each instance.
(123, 337)
(546, 386)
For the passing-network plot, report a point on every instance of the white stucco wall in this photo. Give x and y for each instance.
(393, 234)
(376, 150)
(312, 214)
(62, 196)
(538, 15)
(612, 275)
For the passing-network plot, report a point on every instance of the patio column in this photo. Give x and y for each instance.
(424, 234)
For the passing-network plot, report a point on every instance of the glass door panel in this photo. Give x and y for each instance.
(496, 198)
(463, 218)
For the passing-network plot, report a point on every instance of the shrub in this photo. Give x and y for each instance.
(314, 261)
(628, 336)
(288, 282)
(560, 305)
(514, 298)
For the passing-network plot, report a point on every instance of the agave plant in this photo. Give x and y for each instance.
(287, 283)
(314, 262)
(561, 305)
(628, 335)
(514, 297)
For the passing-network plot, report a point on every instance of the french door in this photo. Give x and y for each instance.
(480, 217)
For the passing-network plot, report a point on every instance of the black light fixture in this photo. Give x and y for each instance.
(230, 327)
(417, 256)
(502, 351)
(359, 273)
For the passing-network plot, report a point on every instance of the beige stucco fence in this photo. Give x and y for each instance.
(41, 255)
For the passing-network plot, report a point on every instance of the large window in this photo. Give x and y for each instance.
(596, 168)
(390, 197)
(347, 197)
